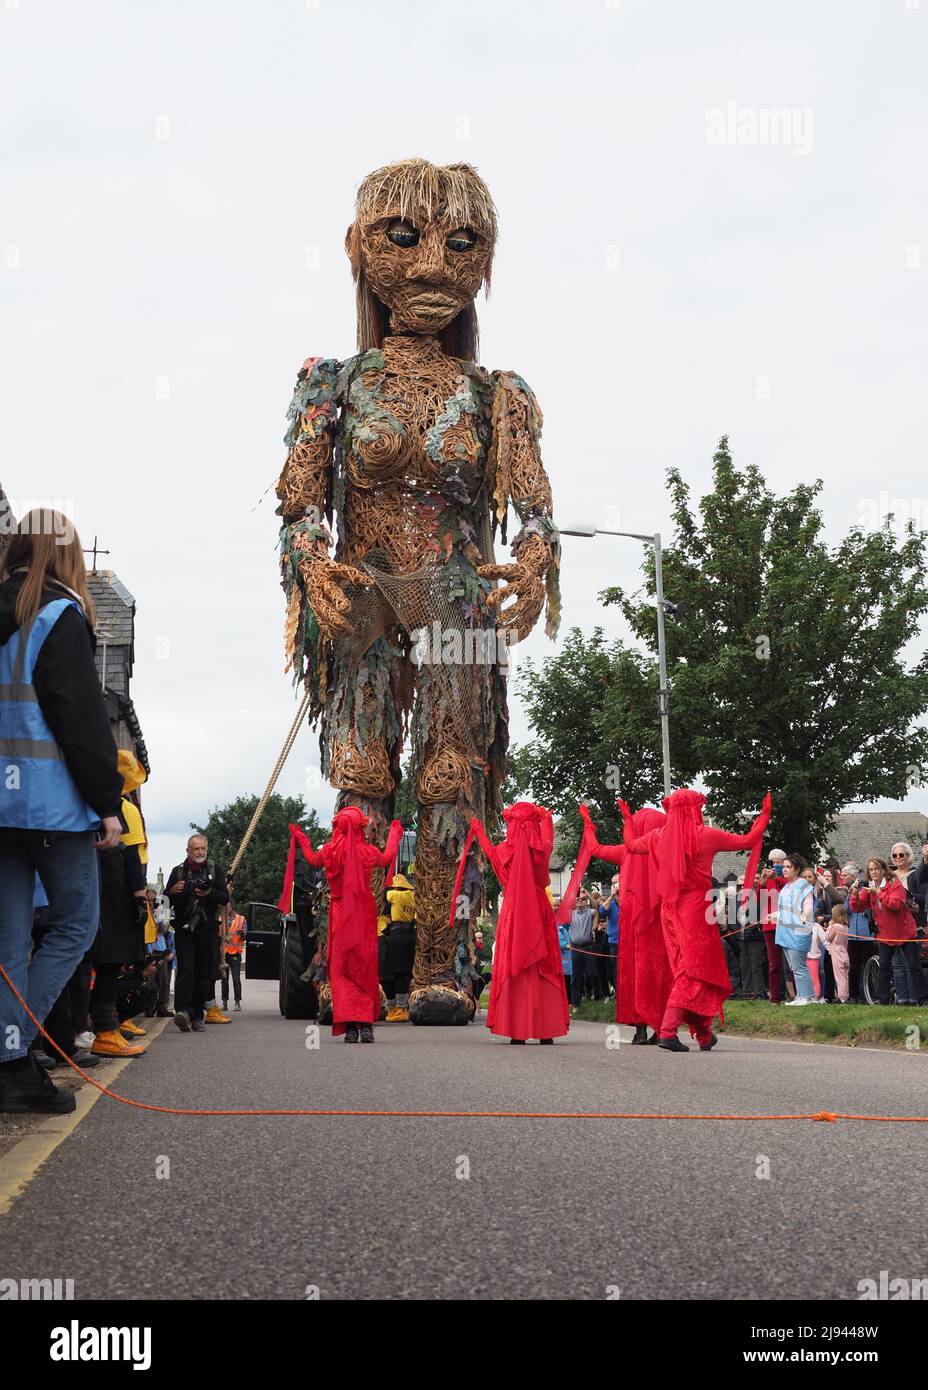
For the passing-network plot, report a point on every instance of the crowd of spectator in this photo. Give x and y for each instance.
(805, 934)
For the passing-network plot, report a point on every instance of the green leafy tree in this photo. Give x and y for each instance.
(405, 804)
(594, 713)
(785, 662)
(260, 875)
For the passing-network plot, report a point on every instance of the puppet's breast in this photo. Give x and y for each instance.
(416, 432)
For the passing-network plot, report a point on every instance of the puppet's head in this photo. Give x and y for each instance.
(420, 246)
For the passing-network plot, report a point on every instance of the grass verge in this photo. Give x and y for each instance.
(852, 1024)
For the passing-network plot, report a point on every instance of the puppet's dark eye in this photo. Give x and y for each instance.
(402, 233)
(462, 239)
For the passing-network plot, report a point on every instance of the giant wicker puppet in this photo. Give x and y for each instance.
(412, 454)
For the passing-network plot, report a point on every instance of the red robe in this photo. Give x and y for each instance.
(682, 853)
(351, 945)
(528, 998)
(643, 977)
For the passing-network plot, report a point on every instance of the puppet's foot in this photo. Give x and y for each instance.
(440, 1004)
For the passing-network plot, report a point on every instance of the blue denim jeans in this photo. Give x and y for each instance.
(67, 864)
(797, 963)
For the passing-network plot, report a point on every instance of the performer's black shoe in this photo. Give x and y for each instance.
(672, 1044)
(652, 1040)
(516, 1042)
(707, 1047)
(367, 1032)
(641, 1035)
(546, 1042)
(351, 1032)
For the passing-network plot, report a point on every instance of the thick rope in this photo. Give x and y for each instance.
(828, 1116)
(272, 782)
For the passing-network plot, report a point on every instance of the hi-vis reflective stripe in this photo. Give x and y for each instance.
(30, 748)
(23, 694)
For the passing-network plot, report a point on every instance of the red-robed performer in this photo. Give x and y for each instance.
(351, 945)
(528, 998)
(682, 852)
(643, 977)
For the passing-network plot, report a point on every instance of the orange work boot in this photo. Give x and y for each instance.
(113, 1044)
(398, 1015)
(215, 1015)
(131, 1028)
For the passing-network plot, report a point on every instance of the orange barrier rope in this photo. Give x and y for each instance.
(737, 931)
(826, 1116)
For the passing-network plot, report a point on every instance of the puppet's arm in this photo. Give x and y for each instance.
(518, 476)
(313, 582)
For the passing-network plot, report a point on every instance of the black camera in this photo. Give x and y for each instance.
(198, 879)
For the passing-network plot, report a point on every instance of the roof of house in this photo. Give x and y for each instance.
(115, 613)
(859, 835)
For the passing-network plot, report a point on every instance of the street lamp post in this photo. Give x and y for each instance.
(588, 531)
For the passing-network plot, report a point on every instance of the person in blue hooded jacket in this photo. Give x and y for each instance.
(60, 788)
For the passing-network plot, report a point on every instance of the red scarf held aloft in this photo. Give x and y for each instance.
(348, 871)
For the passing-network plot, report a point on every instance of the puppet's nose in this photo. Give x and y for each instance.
(430, 263)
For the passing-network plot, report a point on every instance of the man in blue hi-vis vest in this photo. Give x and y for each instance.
(60, 789)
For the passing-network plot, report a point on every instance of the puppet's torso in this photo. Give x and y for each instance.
(412, 431)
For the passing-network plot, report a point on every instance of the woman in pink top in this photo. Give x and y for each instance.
(887, 898)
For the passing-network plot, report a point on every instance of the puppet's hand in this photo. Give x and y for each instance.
(325, 581)
(528, 590)
(525, 581)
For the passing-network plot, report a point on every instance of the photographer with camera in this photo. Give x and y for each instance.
(196, 890)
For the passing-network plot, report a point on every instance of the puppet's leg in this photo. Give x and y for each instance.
(361, 734)
(459, 742)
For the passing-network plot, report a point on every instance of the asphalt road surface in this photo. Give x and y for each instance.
(141, 1205)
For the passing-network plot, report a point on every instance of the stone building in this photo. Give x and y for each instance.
(115, 656)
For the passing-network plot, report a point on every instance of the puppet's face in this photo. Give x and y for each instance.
(425, 269)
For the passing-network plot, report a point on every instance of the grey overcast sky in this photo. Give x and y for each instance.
(177, 177)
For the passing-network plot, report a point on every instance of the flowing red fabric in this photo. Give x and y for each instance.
(683, 851)
(643, 976)
(473, 828)
(285, 901)
(351, 945)
(528, 998)
(569, 899)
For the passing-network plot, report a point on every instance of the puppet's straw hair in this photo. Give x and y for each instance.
(415, 185)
